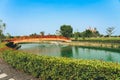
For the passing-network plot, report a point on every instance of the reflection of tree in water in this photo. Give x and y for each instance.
(66, 52)
(88, 50)
(76, 50)
(109, 57)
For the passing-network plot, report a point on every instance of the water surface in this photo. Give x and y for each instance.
(70, 52)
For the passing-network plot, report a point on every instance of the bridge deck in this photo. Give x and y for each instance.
(39, 39)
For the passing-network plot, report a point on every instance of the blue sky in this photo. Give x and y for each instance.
(24, 17)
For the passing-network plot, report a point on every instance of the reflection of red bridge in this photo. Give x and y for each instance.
(39, 39)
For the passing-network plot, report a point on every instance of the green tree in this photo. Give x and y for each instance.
(33, 35)
(96, 34)
(8, 36)
(42, 33)
(66, 30)
(110, 31)
(76, 35)
(2, 27)
(88, 33)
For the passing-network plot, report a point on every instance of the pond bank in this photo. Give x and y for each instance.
(95, 45)
(61, 68)
(53, 68)
(108, 45)
(7, 72)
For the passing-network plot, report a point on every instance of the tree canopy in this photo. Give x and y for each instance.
(2, 27)
(66, 30)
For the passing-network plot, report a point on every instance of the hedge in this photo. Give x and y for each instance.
(2, 45)
(54, 68)
(100, 39)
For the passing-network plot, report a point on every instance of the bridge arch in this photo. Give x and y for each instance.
(39, 39)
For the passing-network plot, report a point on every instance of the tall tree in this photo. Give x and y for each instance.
(8, 36)
(66, 30)
(88, 33)
(42, 33)
(2, 27)
(76, 35)
(110, 31)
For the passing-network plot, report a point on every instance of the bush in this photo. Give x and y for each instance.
(2, 45)
(53, 68)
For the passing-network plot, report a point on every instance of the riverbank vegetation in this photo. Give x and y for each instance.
(2, 45)
(61, 68)
(99, 39)
(53, 68)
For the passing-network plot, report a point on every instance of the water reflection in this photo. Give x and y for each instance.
(71, 52)
(67, 52)
(109, 58)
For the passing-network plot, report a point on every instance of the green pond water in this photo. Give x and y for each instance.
(70, 52)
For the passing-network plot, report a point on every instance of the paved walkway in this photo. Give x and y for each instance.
(8, 73)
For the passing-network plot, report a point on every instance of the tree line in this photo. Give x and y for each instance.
(66, 31)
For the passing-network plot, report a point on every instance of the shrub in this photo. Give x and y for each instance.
(53, 68)
(2, 45)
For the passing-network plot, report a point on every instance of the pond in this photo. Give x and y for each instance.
(70, 52)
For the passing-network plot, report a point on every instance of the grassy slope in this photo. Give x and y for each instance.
(100, 38)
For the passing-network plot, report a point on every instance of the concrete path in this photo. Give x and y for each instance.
(8, 73)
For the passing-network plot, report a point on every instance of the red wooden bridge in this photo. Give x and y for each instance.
(26, 39)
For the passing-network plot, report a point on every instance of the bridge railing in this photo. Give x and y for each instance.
(48, 37)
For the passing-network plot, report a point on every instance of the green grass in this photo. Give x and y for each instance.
(102, 42)
(100, 39)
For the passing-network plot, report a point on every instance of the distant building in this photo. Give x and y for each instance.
(92, 29)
